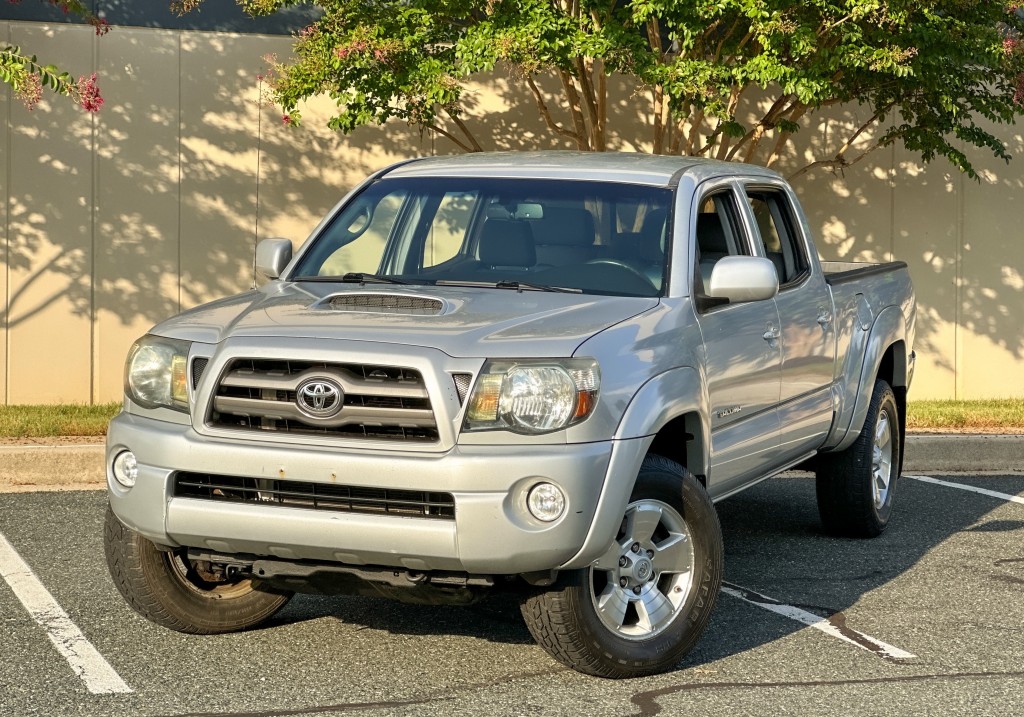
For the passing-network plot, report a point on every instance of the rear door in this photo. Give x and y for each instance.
(742, 351)
(808, 327)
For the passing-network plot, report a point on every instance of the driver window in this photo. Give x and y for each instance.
(448, 229)
(718, 232)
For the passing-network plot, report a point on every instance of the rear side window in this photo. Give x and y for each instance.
(778, 234)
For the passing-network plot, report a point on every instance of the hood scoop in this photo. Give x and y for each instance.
(406, 304)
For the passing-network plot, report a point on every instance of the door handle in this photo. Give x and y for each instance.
(824, 318)
(772, 333)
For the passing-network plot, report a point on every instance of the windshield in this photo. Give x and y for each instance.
(592, 237)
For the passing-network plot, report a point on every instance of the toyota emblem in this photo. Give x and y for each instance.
(319, 398)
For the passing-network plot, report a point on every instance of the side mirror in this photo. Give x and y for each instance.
(272, 256)
(743, 278)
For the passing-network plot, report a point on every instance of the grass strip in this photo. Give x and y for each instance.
(951, 415)
(79, 420)
(57, 420)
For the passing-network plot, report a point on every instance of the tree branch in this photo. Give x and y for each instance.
(545, 113)
(836, 162)
(602, 103)
(756, 133)
(695, 123)
(573, 95)
(465, 131)
(589, 102)
(795, 116)
(444, 133)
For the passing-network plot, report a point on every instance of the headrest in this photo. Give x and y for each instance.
(711, 234)
(565, 226)
(651, 245)
(507, 243)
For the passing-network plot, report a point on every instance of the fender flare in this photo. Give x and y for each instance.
(889, 328)
(660, 400)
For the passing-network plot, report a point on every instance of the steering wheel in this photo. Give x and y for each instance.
(619, 264)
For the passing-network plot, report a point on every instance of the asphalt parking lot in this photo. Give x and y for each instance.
(927, 619)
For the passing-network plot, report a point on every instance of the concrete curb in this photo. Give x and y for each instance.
(80, 467)
(957, 452)
(51, 467)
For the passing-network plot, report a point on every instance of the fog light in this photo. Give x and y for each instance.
(546, 502)
(126, 468)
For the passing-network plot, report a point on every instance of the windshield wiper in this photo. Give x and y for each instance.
(508, 284)
(520, 285)
(353, 277)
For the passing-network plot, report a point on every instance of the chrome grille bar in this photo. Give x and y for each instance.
(371, 401)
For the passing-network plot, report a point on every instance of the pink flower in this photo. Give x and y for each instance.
(89, 94)
(31, 91)
(286, 119)
(100, 24)
(352, 48)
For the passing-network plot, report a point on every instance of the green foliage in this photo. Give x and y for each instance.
(929, 70)
(27, 77)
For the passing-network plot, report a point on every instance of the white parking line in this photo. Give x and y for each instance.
(961, 486)
(834, 626)
(97, 674)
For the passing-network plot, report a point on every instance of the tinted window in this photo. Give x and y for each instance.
(600, 238)
(778, 234)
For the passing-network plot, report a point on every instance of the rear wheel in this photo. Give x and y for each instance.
(171, 590)
(856, 487)
(644, 604)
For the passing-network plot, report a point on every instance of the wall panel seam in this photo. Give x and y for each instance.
(94, 215)
(7, 238)
(181, 120)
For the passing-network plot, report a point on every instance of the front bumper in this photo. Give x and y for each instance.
(492, 532)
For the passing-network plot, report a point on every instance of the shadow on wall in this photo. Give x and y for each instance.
(961, 239)
(173, 207)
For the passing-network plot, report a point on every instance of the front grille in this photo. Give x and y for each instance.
(379, 402)
(315, 496)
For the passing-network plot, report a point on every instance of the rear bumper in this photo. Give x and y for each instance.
(492, 532)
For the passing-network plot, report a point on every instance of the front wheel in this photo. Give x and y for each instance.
(644, 604)
(171, 590)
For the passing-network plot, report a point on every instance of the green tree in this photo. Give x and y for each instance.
(27, 76)
(933, 73)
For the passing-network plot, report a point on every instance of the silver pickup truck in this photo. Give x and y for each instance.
(519, 372)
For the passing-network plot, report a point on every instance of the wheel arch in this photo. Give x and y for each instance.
(663, 417)
(885, 358)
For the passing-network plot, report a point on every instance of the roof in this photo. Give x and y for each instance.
(624, 167)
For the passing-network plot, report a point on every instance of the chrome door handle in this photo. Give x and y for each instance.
(824, 318)
(772, 333)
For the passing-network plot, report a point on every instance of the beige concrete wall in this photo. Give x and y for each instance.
(113, 222)
(961, 239)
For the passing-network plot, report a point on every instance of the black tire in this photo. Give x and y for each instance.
(856, 487)
(566, 621)
(168, 589)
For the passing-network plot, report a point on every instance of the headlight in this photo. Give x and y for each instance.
(534, 395)
(156, 373)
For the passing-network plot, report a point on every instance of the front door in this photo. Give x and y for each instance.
(743, 356)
